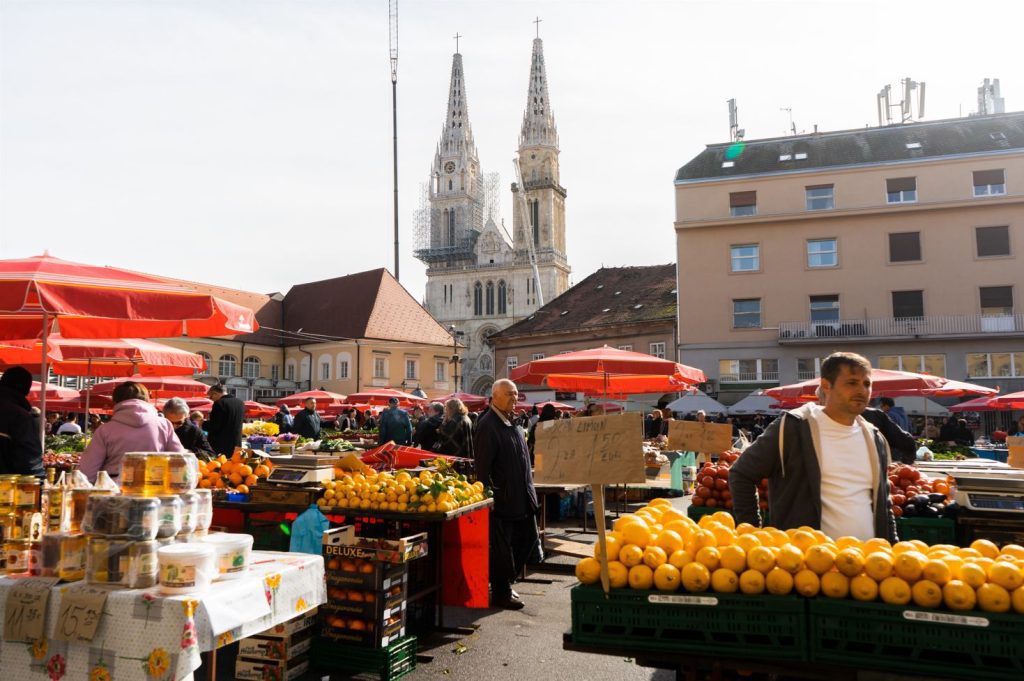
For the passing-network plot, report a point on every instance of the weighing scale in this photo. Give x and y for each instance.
(302, 469)
(991, 491)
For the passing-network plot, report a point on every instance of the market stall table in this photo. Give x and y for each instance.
(148, 636)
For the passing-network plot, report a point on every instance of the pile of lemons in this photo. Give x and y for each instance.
(659, 547)
(400, 492)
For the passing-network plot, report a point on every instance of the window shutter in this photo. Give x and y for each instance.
(737, 199)
(993, 241)
(984, 177)
(904, 246)
(901, 184)
(996, 296)
(907, 304)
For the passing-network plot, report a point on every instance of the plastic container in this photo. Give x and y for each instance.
(204, 511)
(63, 556)
(234, 552)
(143, 569)
(120, 562)
(186, 568)
(182, 472)
(120, 516)
(79, 501)
(170, 516)
(189, 511)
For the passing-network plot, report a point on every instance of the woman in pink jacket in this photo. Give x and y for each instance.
(134, 427)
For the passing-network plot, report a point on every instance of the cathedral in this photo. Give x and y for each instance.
(480, 279)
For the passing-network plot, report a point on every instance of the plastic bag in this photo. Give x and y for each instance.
(79, 481)
(924, 454)
(308, 531)
(104, 481)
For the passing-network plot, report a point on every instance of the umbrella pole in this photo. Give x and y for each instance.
(88, 370)
(44, 381)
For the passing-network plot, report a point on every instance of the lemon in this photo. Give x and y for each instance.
(937, 571)
(761, 558)
(733, 558)
(790, 559)
(863, 588)
(958, 595)
(878, 565)
(667, 577)
(993, 598)
(1006, 575)
(631, 555)
(611, 546)
(588, 571)
(926, 594)
(819, 559)
(641, 577)
(973, 575)
(670, 540)
(909, 565)
(618, 575)
(1017, 600)
(636, 533)
(779, 581)
(835, 585)
(654, 556)
(807, 583)
(894, 590)
(985, 547)
(724, 581)
(709, 557)
(752, 582)
(679, 559)
(695, 577)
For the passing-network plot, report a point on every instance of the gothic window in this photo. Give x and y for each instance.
(485, 363)
(502, 298)
(449, 185)
(451, 227)
(478, 299)
(490, 297)
(535, 221)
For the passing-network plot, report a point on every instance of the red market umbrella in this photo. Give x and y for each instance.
(608, 371)
(380, 396)
(202, 404)
(983, 403)
(950, 388)
(81, 404)
(101, 357)
(472, 402)
(322, 397)
(258, 410)
(559, 406)
(884, 382)
(1008, 401)
(158, 386)
(53, 392)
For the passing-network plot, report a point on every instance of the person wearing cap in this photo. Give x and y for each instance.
(224, 429)
(21, 452)
(395, 425)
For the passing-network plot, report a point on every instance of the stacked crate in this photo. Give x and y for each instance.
(281, 652)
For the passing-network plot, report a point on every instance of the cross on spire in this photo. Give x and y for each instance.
(457, 36)
(537, 23)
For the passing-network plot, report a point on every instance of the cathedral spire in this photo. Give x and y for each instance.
(538, 120)
(456, 134)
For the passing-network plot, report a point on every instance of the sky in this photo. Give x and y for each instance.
(248, 143)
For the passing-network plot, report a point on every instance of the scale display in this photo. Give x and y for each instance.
(986, 502)
(301, 475)
(286, 475)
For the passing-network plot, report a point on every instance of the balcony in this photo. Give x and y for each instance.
(886, 328)
(750, 377)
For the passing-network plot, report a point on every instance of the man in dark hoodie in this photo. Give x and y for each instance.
(21, 452)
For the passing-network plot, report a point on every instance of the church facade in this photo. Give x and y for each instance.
(481, 279)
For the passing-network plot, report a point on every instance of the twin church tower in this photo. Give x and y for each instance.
(477, 281)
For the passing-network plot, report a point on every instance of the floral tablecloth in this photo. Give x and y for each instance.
(150, 637)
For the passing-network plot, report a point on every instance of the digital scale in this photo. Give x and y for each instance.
(302, 469)
(991, 492)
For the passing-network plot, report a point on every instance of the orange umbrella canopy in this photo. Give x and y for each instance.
(322, 397)
(383, 395)
(884, 382)
(608, 371)
(158, 386)
(101, 357)
(1008, 401)
(53, 392)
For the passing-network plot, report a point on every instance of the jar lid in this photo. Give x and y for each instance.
(229, 540)
(26, 479)
(186, 551)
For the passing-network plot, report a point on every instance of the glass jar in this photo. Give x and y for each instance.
(133, 473)
(10, 526)
(27, 493)
(7, 490)
(79, 501)
(143, 569)
(107, 561)
(190, 512)
(182, 473)
(157, 466)
(170, 516)
(71, 567)
(54, 505)
(16, 556)
(204, 508)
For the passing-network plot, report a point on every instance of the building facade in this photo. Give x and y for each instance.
(479, 278)
(902, 243)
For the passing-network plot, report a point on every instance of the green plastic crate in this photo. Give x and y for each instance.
(929, 530)
(390, 663)
(759, 627)
(269, 535)
(912, 640)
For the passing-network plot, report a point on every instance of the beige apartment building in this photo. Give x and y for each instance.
(904, 243)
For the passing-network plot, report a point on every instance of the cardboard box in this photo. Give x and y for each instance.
(371, 548)
(381, 577)
(292, 626)
(275, 647)
(338, 628)
(271, 670)
(378, 610)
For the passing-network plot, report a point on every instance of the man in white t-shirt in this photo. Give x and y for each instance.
(70, 427)
(826, 466)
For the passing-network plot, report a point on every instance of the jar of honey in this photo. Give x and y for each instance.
(7, 490)
(16, 555)
(133, 473)
(10, 526)
(182, 472)
(27, 493)
(79, 501)
(71, 567)
(55, 508)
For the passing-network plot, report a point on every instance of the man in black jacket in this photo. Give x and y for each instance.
(225, 424)
(503, 464)
(902, 443)
(189, 434)
(426, 430)
(21, 452)
(307, 421)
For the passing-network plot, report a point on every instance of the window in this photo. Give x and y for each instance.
(535, 221)
(822, 253)
(451, 226)
(275, 373)
(380, 367)
(412, 369)
(343, 369)
(502, 298)
(746, 313)
(325, 370)
(536, 356)
(490, 298)
(289, 371)
(992, 241)
(626, 347)
(478, 299)
(989, 182)
(904, 246)
(251, 367)
(995, 364)
(746, 258)
(825, 308)
(748, 370)
(907, 304)
(901, 190)
(209, 362)
(808, 368)
(742, 204)
(511, 363)
(658, 350)
(934, 365)
(996, 300)
(440, 371)
(226, 365)
(820, 197)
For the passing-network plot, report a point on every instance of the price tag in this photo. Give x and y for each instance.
(25, 610)
(80, 613)
(945, 618)
(604, 450)
(682, 600)
(691, 436)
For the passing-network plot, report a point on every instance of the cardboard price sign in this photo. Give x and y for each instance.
(693, 436)
(25, 610)
(80, 613)
(598, 450)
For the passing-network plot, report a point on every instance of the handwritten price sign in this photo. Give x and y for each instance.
(599, 450)
(25, 610)
(80, 613)
(691, 436)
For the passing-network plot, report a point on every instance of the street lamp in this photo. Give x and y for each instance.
(454, 361)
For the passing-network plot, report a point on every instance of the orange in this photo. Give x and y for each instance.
(1006, 575)
(835, 585)
(367, 568)
(236, 457)
(957, 595)
(588, 571)
(695, 577)
(895, 591)
(878, 565)
(227, 467)
(993, 598)
(850, 561)
(819, 559)
(937, 571)
(724, 581)
(205, 483)
(806, 583)
(244, 470)
(927, 594)
(667, 577)
(752, 582)
(709, 557)
(670, 541)
(779, 582)
(654, 556)
(251, 480)
(679, 559)
(733, 558)
(909, 565)
(242, 489)
(631, 555)
(863, 588)
(636, 533)
(973, 575)
(261, 471)
(618, 575)
(235, 479)
(985, 547)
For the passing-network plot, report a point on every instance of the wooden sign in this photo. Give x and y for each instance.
(693, 436)
(598, 450)
(25, 610)
(80, 613)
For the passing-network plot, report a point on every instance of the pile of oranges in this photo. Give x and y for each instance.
(659, 547)
(234, 473)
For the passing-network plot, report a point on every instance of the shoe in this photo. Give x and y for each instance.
(507, 603)
(515, 595)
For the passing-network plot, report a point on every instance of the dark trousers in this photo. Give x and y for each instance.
(512, 544)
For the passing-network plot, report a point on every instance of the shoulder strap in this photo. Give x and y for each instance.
(782, 438)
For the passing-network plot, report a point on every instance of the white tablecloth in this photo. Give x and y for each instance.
(150, 637)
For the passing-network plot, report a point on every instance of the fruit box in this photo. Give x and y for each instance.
(366, 633)
(389, 663)
(271, 670)
(379, 577)
(920, 641)
(275, 647)
(368, 604)
(757, 627)
(371, 548)
(929, 530)
(304, 621)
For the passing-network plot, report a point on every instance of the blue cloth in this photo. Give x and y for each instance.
(308, 531)
(899, 417)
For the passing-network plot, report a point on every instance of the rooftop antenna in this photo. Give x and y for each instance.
(792, 125)
(393, 48)
(989, 101)
(905, 105)
(735, 133)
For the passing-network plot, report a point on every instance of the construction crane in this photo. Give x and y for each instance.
(393, 47)
(521, 202)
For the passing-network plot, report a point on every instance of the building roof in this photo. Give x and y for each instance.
(610, 296)
(996, 133)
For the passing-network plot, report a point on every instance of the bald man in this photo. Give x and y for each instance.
(503, 464)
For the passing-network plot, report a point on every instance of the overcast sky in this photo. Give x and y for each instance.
(248, 144)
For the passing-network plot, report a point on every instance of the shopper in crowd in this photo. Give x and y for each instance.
(901, 443)
(52, 423)
(534, 416)
(548, 413)
(189, 434)
(134, 427)
(455, 435)
(395, 425)
(826, 465)
(931, 431)
(94, 422)
(70, 426)
(667, 417)
(962, 435)
(426, 430)
(503, 464)
(416, 417)
(897, 414)
(948, 431)
(1020, 427)
(473, 418)
(702, 416)
(654, 427)
(307, 421)
(369, 421)
(21, 452)
(197, 418)
(224, 428)
(283, 419)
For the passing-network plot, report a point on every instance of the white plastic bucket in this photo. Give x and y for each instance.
(186, 568)
(234, 552)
